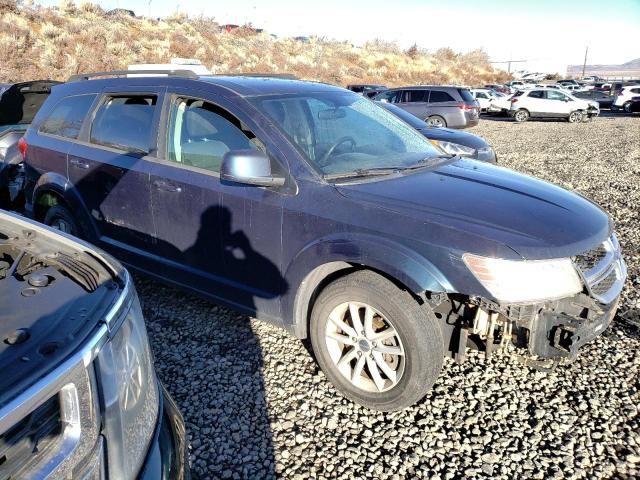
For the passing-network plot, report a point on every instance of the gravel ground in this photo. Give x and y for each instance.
(257, 406)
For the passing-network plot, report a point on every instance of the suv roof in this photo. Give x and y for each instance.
(421, 87)
(242, 85)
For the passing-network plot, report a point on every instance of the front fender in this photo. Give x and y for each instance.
(406, 266)
(60, 186)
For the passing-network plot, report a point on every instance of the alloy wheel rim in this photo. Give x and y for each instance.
(62, 225)
(365, 347)
(435, 122)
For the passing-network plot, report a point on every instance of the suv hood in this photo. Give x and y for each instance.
(534, 218)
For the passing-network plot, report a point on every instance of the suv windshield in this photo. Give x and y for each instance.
(342, 133)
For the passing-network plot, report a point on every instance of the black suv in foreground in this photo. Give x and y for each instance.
(313, 208)
(79, 397)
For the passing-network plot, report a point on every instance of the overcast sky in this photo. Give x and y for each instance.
(550, 34)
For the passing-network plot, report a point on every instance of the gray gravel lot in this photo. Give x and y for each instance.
(257, 406)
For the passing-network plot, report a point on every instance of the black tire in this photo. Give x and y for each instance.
(575, 117)
(415, 324)
(436, 121)
(61, 218)
(521, 115)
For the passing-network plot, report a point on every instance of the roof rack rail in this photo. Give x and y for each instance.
(119, 73)
(286, 76)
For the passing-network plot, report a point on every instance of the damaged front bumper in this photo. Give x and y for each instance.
(558, 330)
(545, 333)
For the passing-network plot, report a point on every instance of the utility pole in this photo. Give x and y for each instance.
(584, 65)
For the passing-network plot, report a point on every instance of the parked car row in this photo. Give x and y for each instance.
(19, 103)
(299, 203)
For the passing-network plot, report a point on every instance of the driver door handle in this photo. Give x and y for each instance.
(76, 162)
(166, 186)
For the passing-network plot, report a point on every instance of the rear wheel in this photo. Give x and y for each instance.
(575, 117)
(436, 121)
(521, 116)
(627, 107)
(60, 218)
(375, 343)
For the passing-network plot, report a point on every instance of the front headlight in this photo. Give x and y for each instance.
(455, 148)
(129, 394)
(519, 281)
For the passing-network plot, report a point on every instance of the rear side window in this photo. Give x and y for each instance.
(65, 120)
(125, 123)
(439, 96)
(467, 96)
(537, 94)
(414, 96)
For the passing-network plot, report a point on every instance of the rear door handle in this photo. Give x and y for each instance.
(167, 186)
(76, 162)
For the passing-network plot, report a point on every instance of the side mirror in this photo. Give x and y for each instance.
(250, 167)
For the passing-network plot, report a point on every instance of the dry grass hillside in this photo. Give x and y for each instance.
(37, 42)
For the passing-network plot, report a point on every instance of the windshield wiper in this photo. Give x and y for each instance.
(378, 171)
(365, 172)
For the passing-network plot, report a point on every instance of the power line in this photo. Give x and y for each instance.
(509, 62)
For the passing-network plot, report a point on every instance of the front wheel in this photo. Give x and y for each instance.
(375, 343)
(575, 117)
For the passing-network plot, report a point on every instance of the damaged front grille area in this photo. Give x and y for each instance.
(603, 270)
(30, 439)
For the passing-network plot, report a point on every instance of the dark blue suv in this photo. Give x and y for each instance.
(313, 208)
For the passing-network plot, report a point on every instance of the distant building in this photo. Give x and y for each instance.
(626, 70)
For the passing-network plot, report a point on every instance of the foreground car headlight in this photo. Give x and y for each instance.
(517, 281)
(129, 394)
(455, 148)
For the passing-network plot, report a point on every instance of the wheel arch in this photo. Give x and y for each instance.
(324, 261)
(54, 189)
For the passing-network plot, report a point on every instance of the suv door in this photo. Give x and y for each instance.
(536, 103)
(109, 167)
(223, 239)
(558, 104)
(442, 103)
(415, 102)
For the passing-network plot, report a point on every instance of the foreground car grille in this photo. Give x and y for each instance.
(603, 270)
(31, 439)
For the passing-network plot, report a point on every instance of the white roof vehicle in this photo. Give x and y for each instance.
(484, 97)
(626, 95)
(190, 64)
(551, 103)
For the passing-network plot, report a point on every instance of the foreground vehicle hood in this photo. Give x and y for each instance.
(535, 218)
(454, 136)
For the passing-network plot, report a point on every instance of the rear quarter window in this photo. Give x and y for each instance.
(440, 96)
(66, 118)
(467, 96)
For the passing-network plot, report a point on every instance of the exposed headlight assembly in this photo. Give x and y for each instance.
(520, 281)
(455, 148)
(129, 393)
